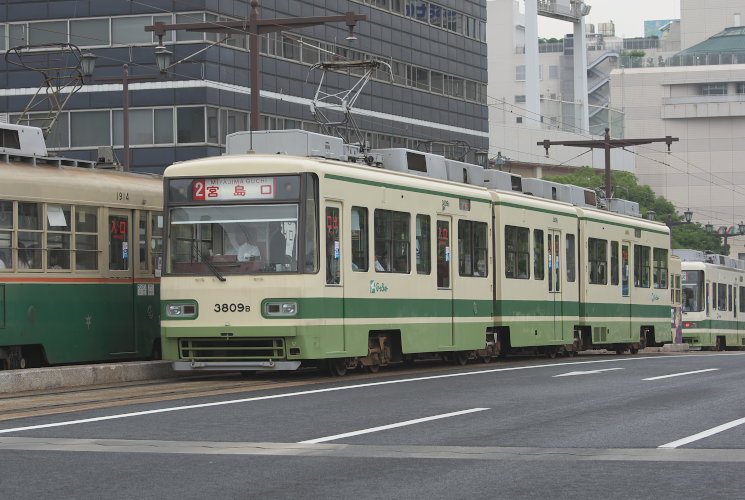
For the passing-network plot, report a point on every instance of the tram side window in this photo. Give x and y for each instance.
(423, 239)
(517, 252)
(142, 241)
(538, 255)
(118, 243)
(30, 225)
(722, 297)
(156, 242)
(597, 260)
(58, 237)
(472, 248)
(360, 236)
(311, 221)
(729, 297)
(86, 238)
(641, 266)
(333, 246)
(6, 234)
(742, 299)
(392, 241)
(714, 296)
(660, 267)
(614, 263)
(571, 259)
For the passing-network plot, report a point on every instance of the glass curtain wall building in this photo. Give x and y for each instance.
(435, 99)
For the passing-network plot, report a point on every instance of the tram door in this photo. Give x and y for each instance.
(626, 286)
(555, 285)
(119, 311)
(445, 280)
(332, 268)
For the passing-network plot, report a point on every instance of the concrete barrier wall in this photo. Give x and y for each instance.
(39, 379)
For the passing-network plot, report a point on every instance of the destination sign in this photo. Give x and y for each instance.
(234, 189)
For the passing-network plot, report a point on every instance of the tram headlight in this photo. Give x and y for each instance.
(288, 308)
(181, 310)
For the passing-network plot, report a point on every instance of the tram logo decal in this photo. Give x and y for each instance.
(655, 297)
(377, 287)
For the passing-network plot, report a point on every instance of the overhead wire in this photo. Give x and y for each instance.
(507, 107)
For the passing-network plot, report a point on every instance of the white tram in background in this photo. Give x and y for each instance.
(713, 300)
(277, 261)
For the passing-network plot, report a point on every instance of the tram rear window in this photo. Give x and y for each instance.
(234, 189)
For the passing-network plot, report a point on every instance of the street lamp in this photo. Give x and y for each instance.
(163, 59)
(254, 27)
(687, 218)
(725, 232)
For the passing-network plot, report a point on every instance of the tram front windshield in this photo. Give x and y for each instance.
(693, 291)
(260, 236)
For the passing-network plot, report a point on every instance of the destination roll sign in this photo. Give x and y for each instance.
(234, 189)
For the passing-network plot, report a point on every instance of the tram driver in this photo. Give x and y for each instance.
(247, 249)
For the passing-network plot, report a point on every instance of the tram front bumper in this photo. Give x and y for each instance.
(221, 366)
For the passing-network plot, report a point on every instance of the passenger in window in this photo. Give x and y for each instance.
(277, 247)
(332, 262)
(401, 265)
(25, 257)
(247, 249)
(3, 256)
(58, 259)
(381, 262)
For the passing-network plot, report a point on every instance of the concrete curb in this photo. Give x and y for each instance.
(40, 379)
(675, 348)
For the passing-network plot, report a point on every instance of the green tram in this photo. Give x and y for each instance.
(277, 261)
(713, 300)
(80, 258)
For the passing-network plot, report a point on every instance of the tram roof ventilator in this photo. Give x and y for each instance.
(688, 255)
(25, 144)
(308, 144)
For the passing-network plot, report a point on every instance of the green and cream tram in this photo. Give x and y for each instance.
(274, 261)
(80, 254)
(713, 300)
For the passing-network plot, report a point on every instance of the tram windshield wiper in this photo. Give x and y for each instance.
(214, 270)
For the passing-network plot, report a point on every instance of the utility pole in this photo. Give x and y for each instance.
(607, 143)
(254, 28)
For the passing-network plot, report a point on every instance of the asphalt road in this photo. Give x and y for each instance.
(664, 426)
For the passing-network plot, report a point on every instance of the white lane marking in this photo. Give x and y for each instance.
(343, 388)
(704, 434)
(390, 426)
(681, 374)
(588, 372)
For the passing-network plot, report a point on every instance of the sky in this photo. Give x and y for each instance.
(627, 15)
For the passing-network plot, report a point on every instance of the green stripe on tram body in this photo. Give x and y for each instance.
(705, 332)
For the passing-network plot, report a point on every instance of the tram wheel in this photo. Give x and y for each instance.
(485, 359)
(634, 350)
(551, 352)
(619, 350)
(15, 360)
(373, 368)
(460, 358)
(337, 367)
(719, 345)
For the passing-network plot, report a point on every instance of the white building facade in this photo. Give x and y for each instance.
(698, 96)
